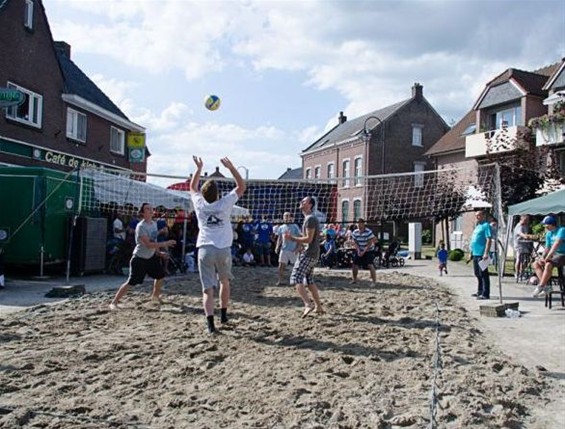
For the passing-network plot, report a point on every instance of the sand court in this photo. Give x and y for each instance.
(372, 361)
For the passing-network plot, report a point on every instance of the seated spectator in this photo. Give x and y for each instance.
(248, 259)
(552, 256)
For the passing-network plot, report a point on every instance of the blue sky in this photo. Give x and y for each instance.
(285, 69)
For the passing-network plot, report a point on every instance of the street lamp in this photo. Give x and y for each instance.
(366, 137)
(246, 171)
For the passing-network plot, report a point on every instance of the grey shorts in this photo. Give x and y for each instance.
(214, 264)
(558, 260)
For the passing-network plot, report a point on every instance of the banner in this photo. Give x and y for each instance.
(136, 155)
(136, 140)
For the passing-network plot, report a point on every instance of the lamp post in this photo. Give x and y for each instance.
(246, 171)
(366, 137)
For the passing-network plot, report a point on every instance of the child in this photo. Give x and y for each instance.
(442, 256)
(248, 259)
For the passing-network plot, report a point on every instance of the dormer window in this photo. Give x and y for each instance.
(28, 16)
(507, 118)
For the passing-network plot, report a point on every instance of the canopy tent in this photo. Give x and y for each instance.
(552, 203)
(115, 188)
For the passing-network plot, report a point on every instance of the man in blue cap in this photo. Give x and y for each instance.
(552, 256)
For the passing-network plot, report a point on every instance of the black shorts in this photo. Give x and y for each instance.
(364, 261)
(140, 267)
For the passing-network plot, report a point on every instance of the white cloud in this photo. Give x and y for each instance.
(369, 52)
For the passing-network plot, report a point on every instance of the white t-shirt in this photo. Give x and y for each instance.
(118, 224)
(214, 220)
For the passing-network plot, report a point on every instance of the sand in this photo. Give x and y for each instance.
(374, 360)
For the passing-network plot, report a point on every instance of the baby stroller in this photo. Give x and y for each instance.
(395, 260)
(175, 264)
(526, 264)
(391, 257)
(118, 254)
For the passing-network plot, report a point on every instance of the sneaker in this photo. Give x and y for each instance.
(538, 291)
(475, 294)
(113, 307)
(481, 298)
(548, 289)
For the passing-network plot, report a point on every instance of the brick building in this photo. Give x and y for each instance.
(65, 120)
(393, 139)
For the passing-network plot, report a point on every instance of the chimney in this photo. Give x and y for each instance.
(64, 48)
(341, 118)
(218, 170)
(417, 91)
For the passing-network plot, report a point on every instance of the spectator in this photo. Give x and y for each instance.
(553, 255)
(286, 249)
(364, 254)
(118, 229)
(523, 245)
(248, 259)
(480, 244)
(263, 242)
(442, 258)
(329, 256)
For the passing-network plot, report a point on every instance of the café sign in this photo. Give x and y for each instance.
(11, 97)
(63, 160)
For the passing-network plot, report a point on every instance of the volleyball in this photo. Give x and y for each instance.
(212, 102)
(533, 281)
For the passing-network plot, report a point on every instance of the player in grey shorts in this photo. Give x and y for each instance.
(215, 237)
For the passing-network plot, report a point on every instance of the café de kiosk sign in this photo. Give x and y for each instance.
(11, 97)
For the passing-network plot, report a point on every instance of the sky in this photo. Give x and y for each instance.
(285, 69)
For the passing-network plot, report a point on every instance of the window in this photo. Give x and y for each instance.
(357, 209)
(317, 172)
(345, 211)
(508, 118)
(331, 171)
(469, 130)
(358, 170)
(308, 174)
(346, 172)
(117, 140)
(419, 178)
(416, 135)
(28, 17)
(30, 111)
(76, 125)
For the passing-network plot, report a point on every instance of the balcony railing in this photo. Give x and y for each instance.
(549, 134)
(495, 141)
